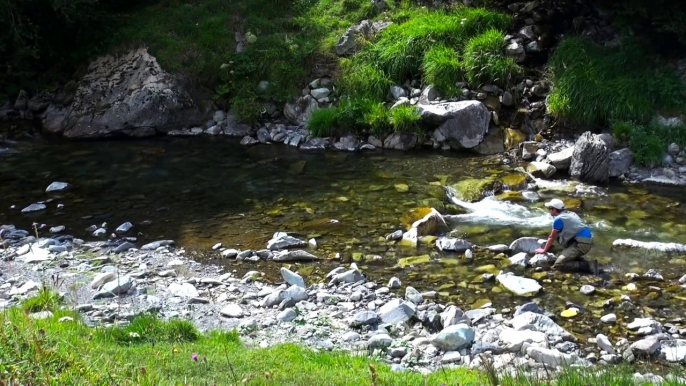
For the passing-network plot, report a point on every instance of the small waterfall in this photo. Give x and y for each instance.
(491, 211)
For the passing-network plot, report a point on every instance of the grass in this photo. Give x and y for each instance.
(322, 122)
(152, 352)
(405, 119)
(597, 85)
(484, 61)
(442, 68)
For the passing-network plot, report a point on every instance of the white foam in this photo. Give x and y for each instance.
(492, 211)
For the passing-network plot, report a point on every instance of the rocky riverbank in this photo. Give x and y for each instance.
(111, 282)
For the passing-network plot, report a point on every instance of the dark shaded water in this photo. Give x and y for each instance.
(202, 191)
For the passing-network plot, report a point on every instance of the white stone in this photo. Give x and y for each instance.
(103, 278)
(123, 228)
(292, 278)
(675, 354)
(394, 283)
(609, 318)
(27, 287)
(587, 289)
(604, 343)
(57, 187)
(451, 357)
(519, 259)
(184, 290)
(33, 208)
(287, 315)
(351, 336)
(281, 240)
(514, 339)
(232, 311)
(230, 253)
(454, 337)
(379, 341)
(518, 285)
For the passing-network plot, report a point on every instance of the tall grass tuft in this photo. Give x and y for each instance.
(596, 85)
(323, 121)
(405, 119)
(364, 80)
(46, 300)
(441, 67)
(484, 60)
(649, 141)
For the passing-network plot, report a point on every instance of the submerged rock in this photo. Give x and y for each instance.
(651, 246)
(453, 245)
(34, 208)
(57, 187)
(475, 189)
(518, 285)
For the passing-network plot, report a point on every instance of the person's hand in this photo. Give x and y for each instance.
(539, 251)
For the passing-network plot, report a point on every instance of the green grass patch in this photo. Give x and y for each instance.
(596, 85)
(441, 67)
(484, 61)
(47, 351)
(363, 80)
(405, 119)
(45, 300)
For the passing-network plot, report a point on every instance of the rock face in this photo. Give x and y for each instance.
(127, 95)
(299, 112)
(590, 161)
(349, 43)
(463, 125)
(619, 162)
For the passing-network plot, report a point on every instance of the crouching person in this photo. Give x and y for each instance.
(574, 236)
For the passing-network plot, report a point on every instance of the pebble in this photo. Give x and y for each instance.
(394, 283)
(287, 315)
(609, 318)
(587, 289)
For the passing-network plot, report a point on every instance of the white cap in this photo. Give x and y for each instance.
(555, 203)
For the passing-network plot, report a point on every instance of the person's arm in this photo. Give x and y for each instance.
(549, 243)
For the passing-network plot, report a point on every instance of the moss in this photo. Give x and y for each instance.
(514, 181)
(476, 189)
(413, 260)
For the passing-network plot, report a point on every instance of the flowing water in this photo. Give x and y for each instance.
(202, 191)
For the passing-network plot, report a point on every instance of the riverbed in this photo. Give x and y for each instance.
(202, 191)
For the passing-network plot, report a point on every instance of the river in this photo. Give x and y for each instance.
(201, 191)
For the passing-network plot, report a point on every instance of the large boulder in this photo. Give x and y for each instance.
(619, 162)
(526, 244)
(126, 95)
(454, 337)
(590, 161)
(430, 224)
(463, 125)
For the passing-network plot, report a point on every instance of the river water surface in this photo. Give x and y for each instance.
(201, 191)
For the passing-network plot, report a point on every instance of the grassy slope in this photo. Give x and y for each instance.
(151, 352)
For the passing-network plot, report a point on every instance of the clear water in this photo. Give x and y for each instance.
(201, 191)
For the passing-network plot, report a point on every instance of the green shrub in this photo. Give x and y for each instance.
(322, 122)
(596, 85)
(623, 130)
(484, 60)
(647, 147)
(405, 118)
(441, 67)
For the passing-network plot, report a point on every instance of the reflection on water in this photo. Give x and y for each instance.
(207, 190)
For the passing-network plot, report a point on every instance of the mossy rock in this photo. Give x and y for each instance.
(489, 268)
(413, 260)
(475, 189)
(514, 181)
(511, 195)
(573, 203)
(413, 215)
(638, 215)
(513, 138)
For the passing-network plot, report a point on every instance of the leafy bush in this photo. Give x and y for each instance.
(623, 130)
(647, 147)
(441, 67)
(484, 60)
(322, 122)
(405, 118)
(596, 85)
